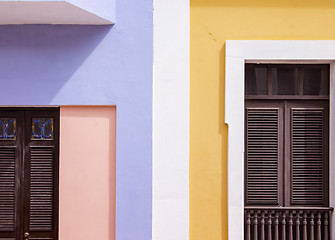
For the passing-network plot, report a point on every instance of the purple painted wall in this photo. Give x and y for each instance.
(94, 65)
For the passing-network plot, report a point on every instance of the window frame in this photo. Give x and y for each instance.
(239, 52)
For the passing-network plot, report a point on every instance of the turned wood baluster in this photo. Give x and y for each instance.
(318, 227)
(255, 226)
(290, 226)
(269, 226)
(262, 237)
(325, 226)
(304, 227)
(283, 226)
(311, 226)
(276, 237)
(248, 236)
(297, 226)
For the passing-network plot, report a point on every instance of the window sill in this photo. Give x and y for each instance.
(288, 208)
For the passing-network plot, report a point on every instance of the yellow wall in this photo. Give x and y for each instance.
(213, 22)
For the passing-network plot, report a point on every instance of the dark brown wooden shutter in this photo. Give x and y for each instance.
(10, 178)
(41, 180)
(262, 156)
(309, 156)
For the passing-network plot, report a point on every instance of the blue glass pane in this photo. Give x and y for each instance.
(7, 128)
(42, 128)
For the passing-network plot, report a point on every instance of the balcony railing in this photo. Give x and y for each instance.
(287, 223)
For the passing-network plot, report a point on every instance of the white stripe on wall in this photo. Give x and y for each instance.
(171, 120)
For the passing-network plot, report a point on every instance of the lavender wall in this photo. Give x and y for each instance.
(94, 65)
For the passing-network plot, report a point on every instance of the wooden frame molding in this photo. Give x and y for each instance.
(238, 52)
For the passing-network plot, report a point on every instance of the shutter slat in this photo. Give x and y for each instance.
(307, 156)
(262, 156)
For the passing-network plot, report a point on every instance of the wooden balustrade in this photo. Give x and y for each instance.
(287, 223)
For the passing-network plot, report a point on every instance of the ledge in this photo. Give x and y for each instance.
(81, 12)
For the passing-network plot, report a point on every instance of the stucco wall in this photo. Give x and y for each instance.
(212, 23)
(170, 206)
(87, 173)
(94, 65)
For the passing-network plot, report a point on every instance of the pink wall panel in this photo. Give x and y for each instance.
(87, 173)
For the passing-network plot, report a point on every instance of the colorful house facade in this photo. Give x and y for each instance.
(138, 120)
(227, 37)
(91, 64)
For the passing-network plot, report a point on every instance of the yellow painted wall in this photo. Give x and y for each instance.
(212, 23)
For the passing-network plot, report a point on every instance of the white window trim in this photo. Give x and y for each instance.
(238, 52)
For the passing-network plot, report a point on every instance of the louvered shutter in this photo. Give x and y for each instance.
(309, 156)
(8, 184)
(262, 155)
(41, 181)
(10, 165)
(7, 188)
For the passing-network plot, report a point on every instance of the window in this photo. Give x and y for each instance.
(286, 143)
(238, 52)
(29, 173)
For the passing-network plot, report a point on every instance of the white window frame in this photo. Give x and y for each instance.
(239, 52)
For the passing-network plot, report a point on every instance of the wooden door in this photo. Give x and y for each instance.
(29, 143)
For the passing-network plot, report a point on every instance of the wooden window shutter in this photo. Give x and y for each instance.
(308, 153)
(262, 155)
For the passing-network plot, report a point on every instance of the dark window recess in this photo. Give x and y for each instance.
(315, 81)
(286, 81)
(29, 174)
(286, 152)
(257, 83)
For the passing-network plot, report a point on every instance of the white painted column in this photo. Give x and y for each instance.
(171, 120)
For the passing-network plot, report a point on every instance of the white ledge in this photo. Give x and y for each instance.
(81, 12)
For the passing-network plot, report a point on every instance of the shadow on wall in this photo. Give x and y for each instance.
(223, 129)
(37, 60)
(264, 3)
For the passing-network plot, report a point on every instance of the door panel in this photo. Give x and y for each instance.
(11, 136)
(41, 174)
(41, 191)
